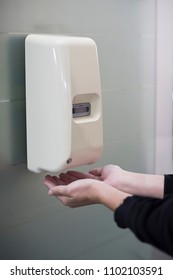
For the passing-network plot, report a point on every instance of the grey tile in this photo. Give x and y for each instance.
(12, 66)
(13, 132)
(126, 247)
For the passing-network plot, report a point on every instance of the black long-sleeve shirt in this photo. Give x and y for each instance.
(150, 219)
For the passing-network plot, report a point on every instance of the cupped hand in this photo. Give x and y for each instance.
(73, 192)
(82, 192)
(110, 174)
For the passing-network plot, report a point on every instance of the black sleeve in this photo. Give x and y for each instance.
(168, 184)
(151, 220)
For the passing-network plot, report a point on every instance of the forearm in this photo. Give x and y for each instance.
(131, 182)
(142, 184)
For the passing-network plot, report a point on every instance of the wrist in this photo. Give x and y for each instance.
(111, 197)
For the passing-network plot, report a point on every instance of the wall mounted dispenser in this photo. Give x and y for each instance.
(63, 102)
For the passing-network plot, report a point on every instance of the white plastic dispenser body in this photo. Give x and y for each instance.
(63, 102)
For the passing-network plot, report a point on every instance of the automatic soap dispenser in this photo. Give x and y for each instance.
(63, 102)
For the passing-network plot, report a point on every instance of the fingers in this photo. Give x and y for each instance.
(58, 181)
(52, 181)
(64, 190)
(80, 175)
(67, 178)
(49, 182)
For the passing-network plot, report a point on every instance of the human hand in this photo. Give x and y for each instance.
(74, 194)
(150, 185)
(112, 175)
(83, 192)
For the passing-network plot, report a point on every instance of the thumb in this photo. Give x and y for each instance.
(96, 172)
(60, 190)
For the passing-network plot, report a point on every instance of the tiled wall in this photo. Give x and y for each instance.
(33, 225)
(12, 99)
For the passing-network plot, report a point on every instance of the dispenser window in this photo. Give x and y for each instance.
(81, 110)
